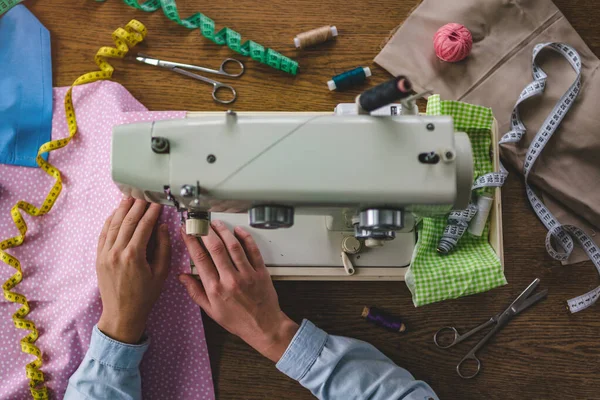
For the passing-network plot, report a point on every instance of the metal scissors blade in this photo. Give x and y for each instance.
(171, 65)
(523, 296)
(528, 302)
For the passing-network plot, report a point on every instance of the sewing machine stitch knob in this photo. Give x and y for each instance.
(379, 219)
(271, 217)
(351, 245)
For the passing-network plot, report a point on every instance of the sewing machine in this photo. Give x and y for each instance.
(325, 195)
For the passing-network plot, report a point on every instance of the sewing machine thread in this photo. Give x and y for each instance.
(385, 93)
(348, 79)
(383, 319)
(315, 36)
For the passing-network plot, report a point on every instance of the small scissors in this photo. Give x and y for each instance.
(178, 67)
(521, 303)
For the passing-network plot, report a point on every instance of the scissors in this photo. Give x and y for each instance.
(521, 303)
(178, 67)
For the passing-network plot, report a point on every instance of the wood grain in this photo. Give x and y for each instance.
(543, 354)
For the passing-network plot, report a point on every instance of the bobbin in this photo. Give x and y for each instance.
(332, 86)
(298, 39)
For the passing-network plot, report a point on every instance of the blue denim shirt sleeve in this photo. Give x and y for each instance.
(335, 367)
(109, 370)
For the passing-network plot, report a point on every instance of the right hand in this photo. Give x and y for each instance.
(236, 290)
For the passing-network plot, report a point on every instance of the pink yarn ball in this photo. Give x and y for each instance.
(452, 42)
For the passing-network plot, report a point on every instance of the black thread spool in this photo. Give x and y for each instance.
(385, 93)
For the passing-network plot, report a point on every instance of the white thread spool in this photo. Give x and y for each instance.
(484, 206)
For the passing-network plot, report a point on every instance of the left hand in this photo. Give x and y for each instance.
(130, 272)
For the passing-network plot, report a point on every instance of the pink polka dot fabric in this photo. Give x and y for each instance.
(58, 259)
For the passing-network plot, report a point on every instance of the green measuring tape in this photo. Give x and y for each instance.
(6, 5)
(225, 36)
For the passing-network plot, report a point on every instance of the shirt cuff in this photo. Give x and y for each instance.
(116, 354)
(303, 351)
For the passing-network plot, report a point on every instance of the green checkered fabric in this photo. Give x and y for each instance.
(473, 267)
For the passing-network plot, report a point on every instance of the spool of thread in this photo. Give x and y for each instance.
(452, 42)
(315, 36)
(384, 94)
(477, 224)
(383, 319)
(348, 79)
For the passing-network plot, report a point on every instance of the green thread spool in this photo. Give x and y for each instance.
(348, 79)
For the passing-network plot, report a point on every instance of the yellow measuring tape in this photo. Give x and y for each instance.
(124, 38)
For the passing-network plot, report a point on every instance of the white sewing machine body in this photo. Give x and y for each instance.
(326, 176)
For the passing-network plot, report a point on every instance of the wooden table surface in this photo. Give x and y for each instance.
(543, 354)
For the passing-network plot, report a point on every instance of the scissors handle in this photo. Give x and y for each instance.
(231, 60)
(217, 86)
(458, 337)
(460, 368)
(442, 331)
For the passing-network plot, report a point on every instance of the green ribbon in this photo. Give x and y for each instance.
(225, 36)
(6, 5)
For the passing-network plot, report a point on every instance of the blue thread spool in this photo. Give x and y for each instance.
(348, 79)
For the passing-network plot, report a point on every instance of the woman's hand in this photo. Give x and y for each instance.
(131, 272)
(236, 290)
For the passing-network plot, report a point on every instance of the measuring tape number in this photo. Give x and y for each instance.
(562, 235)
(6, 5)
(124, 38)
(458, 223)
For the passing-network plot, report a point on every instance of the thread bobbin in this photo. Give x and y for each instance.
(348, 79)
(383, 319)
(315, 36)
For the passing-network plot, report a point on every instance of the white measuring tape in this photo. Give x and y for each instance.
(458, 223)
(563, 234)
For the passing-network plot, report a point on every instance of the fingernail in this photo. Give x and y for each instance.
(218, 224)
(181, 279)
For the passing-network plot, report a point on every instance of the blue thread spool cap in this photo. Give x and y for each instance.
(349, 77)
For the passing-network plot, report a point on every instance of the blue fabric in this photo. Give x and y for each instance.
(25, 87)
(109, 370)
(331, 367)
